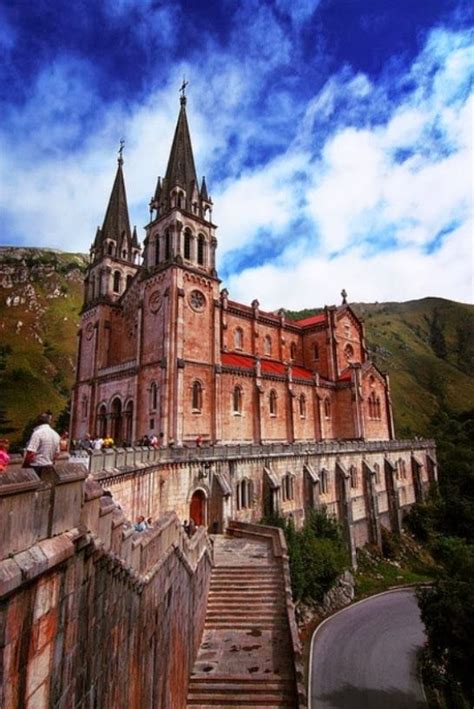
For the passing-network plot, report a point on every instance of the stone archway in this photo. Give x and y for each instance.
(198, 508)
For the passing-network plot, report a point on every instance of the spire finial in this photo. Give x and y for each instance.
(183, 91)
(344, 296)
(120, 151)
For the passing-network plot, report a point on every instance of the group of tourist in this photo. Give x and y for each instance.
(90, 444)
(142, 524)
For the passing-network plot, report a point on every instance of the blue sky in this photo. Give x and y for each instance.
(335, 135)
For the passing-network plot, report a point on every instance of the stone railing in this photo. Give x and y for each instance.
(117, 368)
(280, 551)
(110, 459)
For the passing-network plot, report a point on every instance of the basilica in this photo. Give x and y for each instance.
(164, 350)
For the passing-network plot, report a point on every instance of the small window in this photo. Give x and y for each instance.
(239, 338)
(152, 424)
(293, 351)
(347, 329)
(349, 353)
(110, 249)
(157, 251)
(315, 351)
(273, 403)
(288, 487)
(244, 494)
(267, 345)
(153, 396)
(167, 245)
(237, 400)
(377, 473)
(327, 407)
(197, 397)
(302, 402)
(129, 280)
(117, 279)
(124, 255)
(375, 409)
(354, 477)
(323, 476)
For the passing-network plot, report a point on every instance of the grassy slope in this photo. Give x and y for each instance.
(39, 372)
(38, 356)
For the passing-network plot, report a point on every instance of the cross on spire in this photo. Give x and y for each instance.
(120, 151)
(183, 90)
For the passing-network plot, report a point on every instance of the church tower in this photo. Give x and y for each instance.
(115, 252)
(180, 228)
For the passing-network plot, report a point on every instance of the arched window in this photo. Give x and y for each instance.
(244, 494)
(354, 476)
(378, 411)
(323, 476)
(401, 469)
(374, 406)
(293, 350)
(288, 487)
(327, 407)
(187, 244)
(129, 423)
(110, 248)
(102, 421)
(237, 400)
(157, 250)
(197, 397)
(302, 402)
(153, 396)
(349, 352)
(129, 280)
(238, 338)
(179, 200)
(315, 351)
(117, 279)
(92, 287)
(116, 416)
(124, 254)
(200, 254)
(273, 403)
(167, 245)
(267, 345)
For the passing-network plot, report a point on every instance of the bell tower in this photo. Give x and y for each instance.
(115, 253)
(180, 229)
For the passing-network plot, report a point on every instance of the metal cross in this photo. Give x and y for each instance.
(122, 143)
(344, 296)
(183, 86)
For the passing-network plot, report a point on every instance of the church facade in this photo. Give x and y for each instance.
(164, 351)
(256, 414)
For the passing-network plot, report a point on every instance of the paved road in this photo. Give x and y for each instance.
(365, 657)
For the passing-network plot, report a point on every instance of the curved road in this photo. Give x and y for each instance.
(365, 656)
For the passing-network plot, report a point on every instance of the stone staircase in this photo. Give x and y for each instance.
(245, 657)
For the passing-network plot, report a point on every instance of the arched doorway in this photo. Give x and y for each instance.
(116, 416)
(198, 508)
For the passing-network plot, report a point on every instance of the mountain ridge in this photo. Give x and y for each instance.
(425, 345)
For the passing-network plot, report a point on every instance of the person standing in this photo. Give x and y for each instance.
(43, 446)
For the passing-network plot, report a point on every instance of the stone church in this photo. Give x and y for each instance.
(163, 350)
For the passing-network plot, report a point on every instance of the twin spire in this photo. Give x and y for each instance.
(180, 175)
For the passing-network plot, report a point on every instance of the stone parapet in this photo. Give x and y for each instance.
(111, 459)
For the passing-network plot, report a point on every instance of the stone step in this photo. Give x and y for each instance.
(244, 687)
(254, 705)
(234, 605)
(233, 624)
(246, 570)
(257, 584)
(273, 699)
(260, 678)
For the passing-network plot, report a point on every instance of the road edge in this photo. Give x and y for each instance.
(408, 587)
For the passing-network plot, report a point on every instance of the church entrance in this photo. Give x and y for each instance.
(198, 508)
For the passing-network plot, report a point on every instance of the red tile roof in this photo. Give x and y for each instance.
(301, 373)
(272, 367)
(345, 375)
(230, 359)
(313, 320)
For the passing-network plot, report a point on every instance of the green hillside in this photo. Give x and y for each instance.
(427, 346)
(40, 298)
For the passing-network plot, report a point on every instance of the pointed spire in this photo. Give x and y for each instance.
(157, 190)
(204, 194)
(116, 222)
(135, 238)
(181, 170)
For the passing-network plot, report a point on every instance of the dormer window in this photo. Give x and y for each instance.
(117, 279)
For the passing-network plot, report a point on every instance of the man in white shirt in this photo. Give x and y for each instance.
(43, 446)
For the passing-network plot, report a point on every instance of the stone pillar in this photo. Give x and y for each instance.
(392, 496)
(371, 504)
(345, 509)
